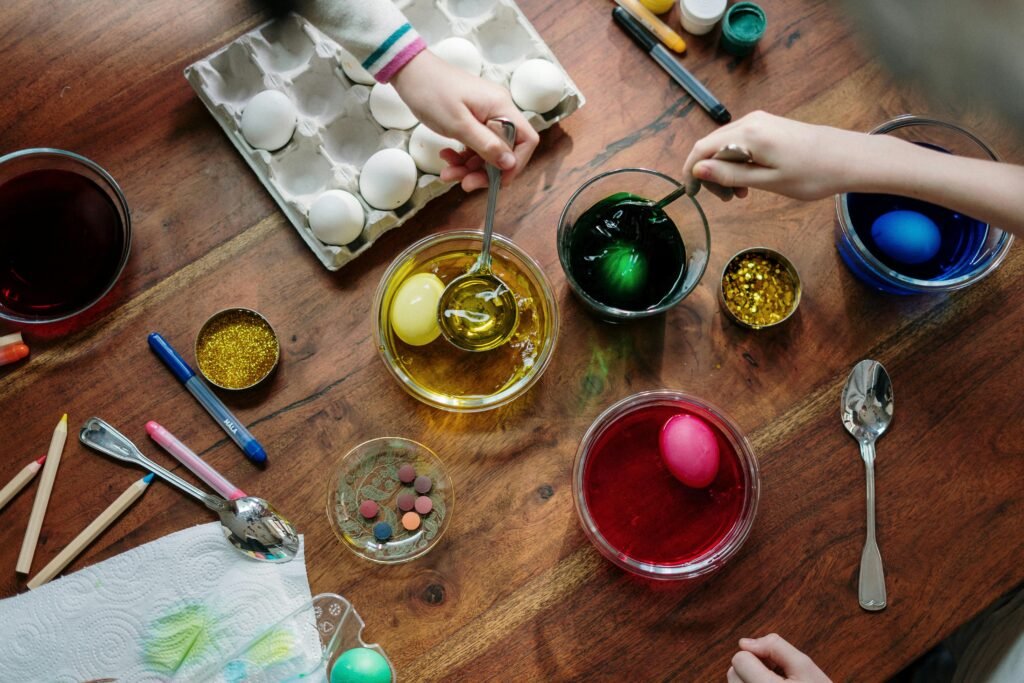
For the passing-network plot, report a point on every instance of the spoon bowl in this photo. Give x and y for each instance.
(250, 524)
(477, 311)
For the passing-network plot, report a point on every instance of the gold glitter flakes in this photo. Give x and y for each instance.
(760, 288)
(237, 349)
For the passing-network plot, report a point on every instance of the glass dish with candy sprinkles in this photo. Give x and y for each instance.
(390, 500)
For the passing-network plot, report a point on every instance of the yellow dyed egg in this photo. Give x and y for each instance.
(658, 6)
(414, 309)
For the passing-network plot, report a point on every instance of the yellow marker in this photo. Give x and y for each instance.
(672, 40)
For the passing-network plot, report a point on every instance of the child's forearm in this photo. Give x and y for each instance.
(989, 191)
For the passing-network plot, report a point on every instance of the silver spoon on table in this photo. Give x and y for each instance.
(867, 413)
(250, 524)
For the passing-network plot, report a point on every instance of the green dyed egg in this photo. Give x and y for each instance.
(624, 269)
(361, 665)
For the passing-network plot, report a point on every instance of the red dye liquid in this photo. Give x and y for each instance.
(61, 242)
(641, 509)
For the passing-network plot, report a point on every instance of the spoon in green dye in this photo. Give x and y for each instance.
(250, 524)
(477, 311)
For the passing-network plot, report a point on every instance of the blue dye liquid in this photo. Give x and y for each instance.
(962, 240)
(961, 237)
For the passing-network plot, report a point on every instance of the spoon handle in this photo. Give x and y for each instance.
(99, 435)
(507, 132)
(871, 590)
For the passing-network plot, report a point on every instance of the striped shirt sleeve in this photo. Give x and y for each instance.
(374, 31)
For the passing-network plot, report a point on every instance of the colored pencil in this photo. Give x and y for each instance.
(89, 533)
(20, 480)
(35, 520)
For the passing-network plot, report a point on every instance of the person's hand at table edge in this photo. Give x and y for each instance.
(760, 658)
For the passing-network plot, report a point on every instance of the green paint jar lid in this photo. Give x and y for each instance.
(742, 26)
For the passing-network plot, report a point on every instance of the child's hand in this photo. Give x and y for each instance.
(757, 658)
(454, 103)
(799, 160)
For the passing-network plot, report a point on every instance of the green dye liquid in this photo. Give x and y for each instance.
(626, 254)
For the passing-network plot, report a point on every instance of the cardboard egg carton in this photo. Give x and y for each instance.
(336, 133)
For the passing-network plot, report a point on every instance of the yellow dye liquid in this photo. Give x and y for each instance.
(457, 377)
(479, 313)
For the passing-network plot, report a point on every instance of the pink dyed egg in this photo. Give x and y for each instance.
(690, 450)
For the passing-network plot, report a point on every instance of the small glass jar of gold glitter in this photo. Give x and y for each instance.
(236, 349)
(759, 288)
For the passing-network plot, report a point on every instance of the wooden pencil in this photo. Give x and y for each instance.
(20, 480)
(89, 533)
(35, 520)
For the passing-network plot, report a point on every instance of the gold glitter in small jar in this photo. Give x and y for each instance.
(237, 349)
(760, 288)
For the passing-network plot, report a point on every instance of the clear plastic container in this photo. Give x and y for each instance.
(302, 646)
(868, 268)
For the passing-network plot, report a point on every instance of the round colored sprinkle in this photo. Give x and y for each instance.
(422, 484)
(424, 505)
(406, 474)
(382, 531)
(411, 521)
(406, 500)
(368, 509)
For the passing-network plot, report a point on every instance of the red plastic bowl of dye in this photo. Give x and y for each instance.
(641, 517)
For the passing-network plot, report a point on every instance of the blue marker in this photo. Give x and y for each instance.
(187, 376)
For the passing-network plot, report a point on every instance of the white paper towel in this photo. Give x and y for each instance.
(168, 609)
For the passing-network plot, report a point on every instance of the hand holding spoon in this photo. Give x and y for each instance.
(867, 413)
(250, 524)
(732, 153)
(477, 311)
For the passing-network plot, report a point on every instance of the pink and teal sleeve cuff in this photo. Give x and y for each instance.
(395, 52)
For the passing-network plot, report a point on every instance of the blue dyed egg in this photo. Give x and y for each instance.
(906, 236)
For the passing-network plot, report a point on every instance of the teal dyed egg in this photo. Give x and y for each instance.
(361, 665)
(906, 236)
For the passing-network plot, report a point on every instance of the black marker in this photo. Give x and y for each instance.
(690, 84)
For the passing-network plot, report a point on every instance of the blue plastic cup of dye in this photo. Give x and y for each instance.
(960, 253)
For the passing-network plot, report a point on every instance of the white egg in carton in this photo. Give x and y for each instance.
(336, 133)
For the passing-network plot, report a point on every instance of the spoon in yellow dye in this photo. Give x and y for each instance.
(477, 311)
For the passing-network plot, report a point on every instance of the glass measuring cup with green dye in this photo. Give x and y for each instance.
(477, 311)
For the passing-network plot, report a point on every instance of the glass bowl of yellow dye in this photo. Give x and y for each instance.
(236, 348)
(434, 370)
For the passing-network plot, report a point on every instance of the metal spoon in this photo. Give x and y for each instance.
(867, 413)
(250, 524)
(477, 311)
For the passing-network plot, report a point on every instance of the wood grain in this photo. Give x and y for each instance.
(514, 591)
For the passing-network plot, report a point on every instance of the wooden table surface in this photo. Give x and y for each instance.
(514, 590)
